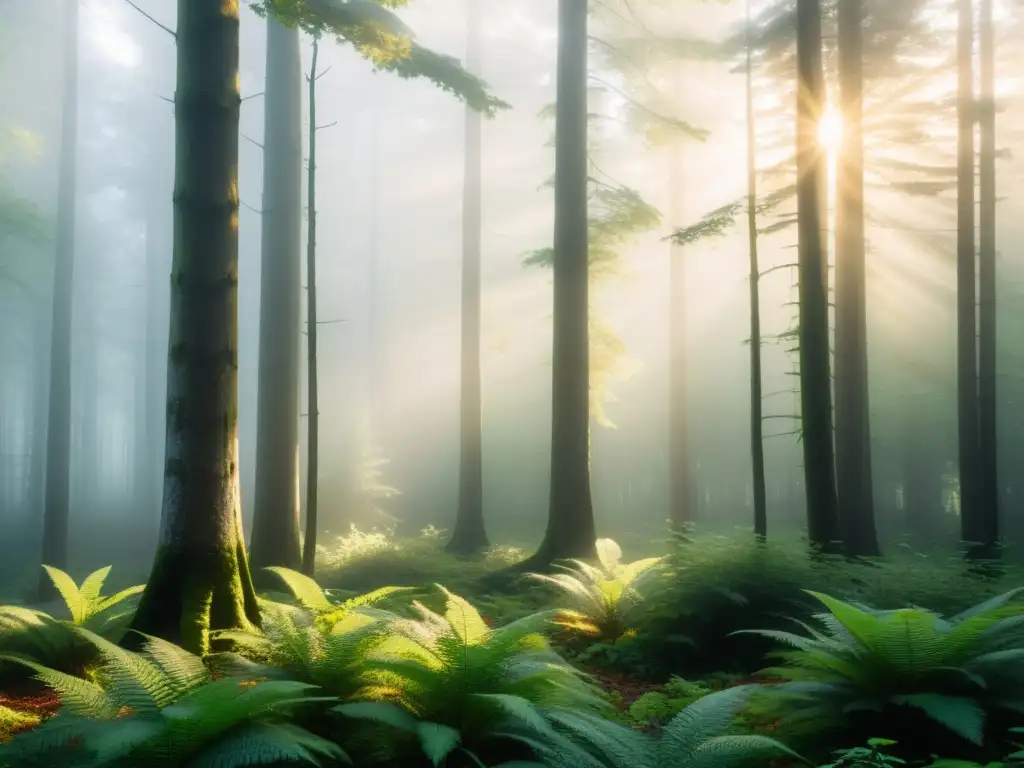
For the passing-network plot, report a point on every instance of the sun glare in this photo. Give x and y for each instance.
(830, 130)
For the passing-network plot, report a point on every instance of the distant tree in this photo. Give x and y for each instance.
(275, 524)
(312, 369)
(852, 414)
(989, 496)
(58, 441)
(972, 516)
(756, 385)
(383, 38)
(815, 378)
(470, 534)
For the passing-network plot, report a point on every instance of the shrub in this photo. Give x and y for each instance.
(862, 670)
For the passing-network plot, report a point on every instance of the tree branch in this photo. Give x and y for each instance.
(321, 127)
(166, 29)
(252, 140)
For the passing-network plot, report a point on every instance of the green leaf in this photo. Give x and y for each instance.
(437, 740)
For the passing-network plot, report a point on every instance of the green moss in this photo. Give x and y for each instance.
(193, 592)
(12, 721)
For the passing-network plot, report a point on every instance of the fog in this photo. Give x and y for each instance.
(389, 189)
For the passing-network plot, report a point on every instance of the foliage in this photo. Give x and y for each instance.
(163, 708)
(717, 585)
(382, 38)
(863, 668)
(697, 738)
(12, 721)
(870, 756)
(604, 597)
(460, 687)
(36, 635)
(656, 708)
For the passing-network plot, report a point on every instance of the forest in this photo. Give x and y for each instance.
(511, 383)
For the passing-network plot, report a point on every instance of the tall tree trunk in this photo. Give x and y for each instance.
(987, 448)
(58, 439)
(682, 489)
(275, 522)
(971, 527)
(200, 579)
(470, 535)
(815, 379)
(853, 431)
(313, 408)
(571, 531)
(158, 240)
(756, 410)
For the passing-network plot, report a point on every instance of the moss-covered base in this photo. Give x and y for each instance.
(192, 592)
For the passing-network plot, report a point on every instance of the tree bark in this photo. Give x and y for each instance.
(988, 455)
(815, 379)
(470, 535)
(682, 489)
(58, 440)
(852, 414)
(313, 408)
(200, 579)
(756, 410)
(570, 531)
(275, 523)
(971, 527)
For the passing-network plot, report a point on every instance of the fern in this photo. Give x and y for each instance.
(163, 708)
(903, 664)
(473, 690)
(38, 636)
(605, 597)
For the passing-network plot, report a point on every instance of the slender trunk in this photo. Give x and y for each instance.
(853, 432)
(682, 489)
(988, 498)
(313, 409)
(571, 530)
(158, 240)
(470, 535)
(971, 529)
(756, 410)
(40, 401)
(58, 439)
(275, 522)
(200, 579)
(815, 380)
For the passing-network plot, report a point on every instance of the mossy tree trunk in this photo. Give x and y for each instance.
(470, 535)
(275, 523)
(815, 379)
(853, 431)
(988, 454)
(200, 579)
(571, 530)
(756, 410)
(58, 435)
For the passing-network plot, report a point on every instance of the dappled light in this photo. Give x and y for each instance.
(534, 384)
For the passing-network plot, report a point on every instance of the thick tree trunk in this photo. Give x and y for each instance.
(853, 432)
(756, 411)
(275, 522)
(815, 380)
(971, 527)
(200, 579)
(571, 530)
(988, 499)
(313, 408)
(58, 440)
(470, 535)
